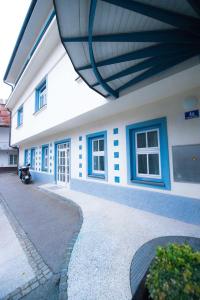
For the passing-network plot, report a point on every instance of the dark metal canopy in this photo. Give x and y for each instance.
(115, 44)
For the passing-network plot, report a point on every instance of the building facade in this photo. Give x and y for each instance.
(8, 155)
(147, 139)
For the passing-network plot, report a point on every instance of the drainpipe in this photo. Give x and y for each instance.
(16, 148)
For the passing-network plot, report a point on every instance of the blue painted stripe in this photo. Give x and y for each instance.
(80, 156)
(80, 138)
(80, 147)
(116, 143)
(180, 208)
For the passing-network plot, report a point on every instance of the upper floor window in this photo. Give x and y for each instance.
(97, 155)
(13, 159)
(45, 157)
(20, 116)
(41, 96)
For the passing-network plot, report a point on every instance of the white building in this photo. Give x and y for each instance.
(8, 155)
(148, 138)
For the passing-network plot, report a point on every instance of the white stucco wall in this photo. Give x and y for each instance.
(180, 132)
(66, 98)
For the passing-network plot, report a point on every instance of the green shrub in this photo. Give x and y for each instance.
(174, 274)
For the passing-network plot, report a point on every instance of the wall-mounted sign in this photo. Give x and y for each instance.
(192, 114)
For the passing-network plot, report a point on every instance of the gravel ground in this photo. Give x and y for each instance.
(111, 233)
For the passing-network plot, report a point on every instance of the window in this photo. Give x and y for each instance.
(33, 158)
(148, 153)
(41, 96)
(13, 159)
(45, 157)
(25, 157)
(97, 155)
(20, 116)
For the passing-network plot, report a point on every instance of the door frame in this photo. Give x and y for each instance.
(67, 140)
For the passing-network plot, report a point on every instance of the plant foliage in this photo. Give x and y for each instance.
(174, 273)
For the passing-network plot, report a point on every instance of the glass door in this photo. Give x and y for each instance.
(63, 163)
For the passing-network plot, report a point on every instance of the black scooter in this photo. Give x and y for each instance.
(25, 174)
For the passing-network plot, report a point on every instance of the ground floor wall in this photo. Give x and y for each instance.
(181, 137)
(8, 160)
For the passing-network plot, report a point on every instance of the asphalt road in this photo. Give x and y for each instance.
(48, 221)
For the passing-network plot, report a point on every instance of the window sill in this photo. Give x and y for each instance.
(149, 182)
(40, 110)
(97, 176)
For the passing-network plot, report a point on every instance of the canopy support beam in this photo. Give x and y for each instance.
(184, 22)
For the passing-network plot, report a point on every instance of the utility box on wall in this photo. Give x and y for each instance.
(186, 163)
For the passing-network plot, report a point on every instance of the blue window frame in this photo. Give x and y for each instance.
(25, 157)
(20, 116)
(45, 158)
(33, 158)
(97, 155)
(147, 145)
(41, 95)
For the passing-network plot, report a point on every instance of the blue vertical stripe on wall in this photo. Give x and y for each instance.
(80, 165)
(80, 174)
(80, 156)
(80, 138)
(80, 147)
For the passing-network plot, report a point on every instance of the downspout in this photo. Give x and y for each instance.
(16, 148)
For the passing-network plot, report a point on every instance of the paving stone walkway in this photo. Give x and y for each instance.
(45, 226)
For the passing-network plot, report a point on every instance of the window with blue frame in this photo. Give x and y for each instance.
(20, 116)
(97, 155)
(33, 158)
(148, 153)
(25, 157)
(45, 158)
(41, 96)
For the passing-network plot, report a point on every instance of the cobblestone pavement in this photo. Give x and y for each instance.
(45, 226)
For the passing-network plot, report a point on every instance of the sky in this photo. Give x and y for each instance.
(12, 14)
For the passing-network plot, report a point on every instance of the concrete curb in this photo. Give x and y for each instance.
(145, 254)
(41, 270)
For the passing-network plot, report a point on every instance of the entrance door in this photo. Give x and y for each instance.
(63, 163)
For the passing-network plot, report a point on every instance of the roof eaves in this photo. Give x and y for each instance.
(25, 23)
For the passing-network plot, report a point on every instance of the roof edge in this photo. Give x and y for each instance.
(24, 25)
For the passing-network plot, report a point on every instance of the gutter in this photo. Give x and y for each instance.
(26, 21)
